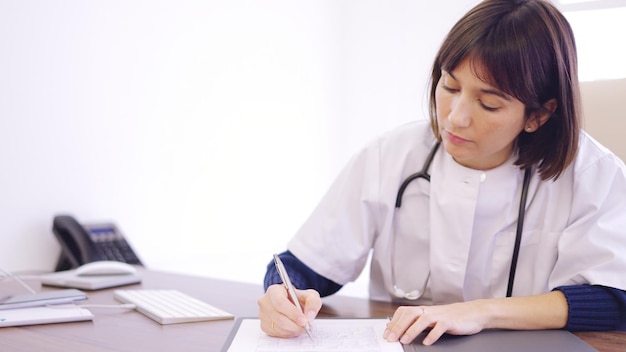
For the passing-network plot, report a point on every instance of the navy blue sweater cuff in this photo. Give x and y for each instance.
(302, 277)
(594, 308)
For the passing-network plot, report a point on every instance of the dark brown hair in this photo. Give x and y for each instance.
(526, 49)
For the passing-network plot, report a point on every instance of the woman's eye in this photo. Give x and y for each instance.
(487, 107)
(449, 89)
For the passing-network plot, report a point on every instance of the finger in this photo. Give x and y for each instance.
(311, 303)
(266, 314)
(269, 303)
(403, 318)
(278, 325)
(282, 326)
(287, 308)
(279, 300)
(421, 323)
(434, 334)
(267, 324)
(390, 333)
(279, 316)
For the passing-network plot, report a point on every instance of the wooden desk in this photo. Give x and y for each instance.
(127, 330)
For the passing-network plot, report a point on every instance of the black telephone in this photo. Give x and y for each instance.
(82, 244)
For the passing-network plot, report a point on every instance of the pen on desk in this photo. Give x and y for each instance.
(290, 290)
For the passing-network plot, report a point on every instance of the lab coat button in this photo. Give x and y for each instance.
(483, 176)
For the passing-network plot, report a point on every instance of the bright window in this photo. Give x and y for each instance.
(599, 27)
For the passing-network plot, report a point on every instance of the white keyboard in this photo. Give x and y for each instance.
(170, 306)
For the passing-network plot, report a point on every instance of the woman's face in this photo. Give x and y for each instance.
(477, 122)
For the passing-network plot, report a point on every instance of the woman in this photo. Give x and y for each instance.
(522, 225)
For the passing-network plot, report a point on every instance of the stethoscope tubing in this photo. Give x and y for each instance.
(518, 233)
(423, 173)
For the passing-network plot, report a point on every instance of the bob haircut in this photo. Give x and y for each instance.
(526, 49)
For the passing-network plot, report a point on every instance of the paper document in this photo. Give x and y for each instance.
(345, 335)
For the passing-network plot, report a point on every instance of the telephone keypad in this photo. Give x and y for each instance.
(118, 250)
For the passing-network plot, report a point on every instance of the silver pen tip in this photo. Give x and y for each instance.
(308, 332)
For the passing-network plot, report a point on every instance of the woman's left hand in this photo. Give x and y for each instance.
(408, 322)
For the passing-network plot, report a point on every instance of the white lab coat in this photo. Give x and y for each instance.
(454, 237)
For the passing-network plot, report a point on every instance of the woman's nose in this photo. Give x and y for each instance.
(460, 112)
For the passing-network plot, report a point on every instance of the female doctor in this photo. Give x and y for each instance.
(500, 212)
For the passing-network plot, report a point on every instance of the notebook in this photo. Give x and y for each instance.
(43, 315)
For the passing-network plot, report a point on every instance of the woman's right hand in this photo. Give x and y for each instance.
(280, 317)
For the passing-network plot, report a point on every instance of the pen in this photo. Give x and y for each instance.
(290, 290)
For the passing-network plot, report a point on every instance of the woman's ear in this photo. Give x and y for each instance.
(540, 117)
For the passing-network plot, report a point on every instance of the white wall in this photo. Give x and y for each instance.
(207, 130)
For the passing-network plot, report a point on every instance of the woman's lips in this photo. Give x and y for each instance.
(454, 138)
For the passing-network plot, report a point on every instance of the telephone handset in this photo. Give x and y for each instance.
(81, 244)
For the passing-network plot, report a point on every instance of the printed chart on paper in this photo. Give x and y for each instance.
(329, 335)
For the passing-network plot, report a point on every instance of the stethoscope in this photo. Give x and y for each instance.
(423, 174)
